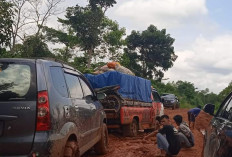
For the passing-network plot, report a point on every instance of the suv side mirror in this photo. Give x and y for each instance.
(101, 96)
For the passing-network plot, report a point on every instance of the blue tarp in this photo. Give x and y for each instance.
(131, 87)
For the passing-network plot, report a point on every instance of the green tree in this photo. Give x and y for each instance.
(80, 63)
(6, 21)
(223, 94)
(90, 26)
(85, 23)
(111, 41)
(130, 61)
(33, 46)
(155, 51)
(186, 89)
(66, 37)
(102, 3)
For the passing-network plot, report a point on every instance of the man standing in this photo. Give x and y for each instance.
(167, 141)
(192, 114)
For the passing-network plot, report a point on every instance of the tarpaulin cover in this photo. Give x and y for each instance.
(131, 87)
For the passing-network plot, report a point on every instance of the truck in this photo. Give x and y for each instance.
(129, 103)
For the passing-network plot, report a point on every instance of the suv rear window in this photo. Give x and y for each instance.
(16, 82)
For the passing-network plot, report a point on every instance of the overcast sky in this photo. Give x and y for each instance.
(202, 30)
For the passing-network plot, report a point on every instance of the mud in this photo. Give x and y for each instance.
(120, 146)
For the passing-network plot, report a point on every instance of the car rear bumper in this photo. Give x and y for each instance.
(44, 146)
(48, 145)
(41, 144)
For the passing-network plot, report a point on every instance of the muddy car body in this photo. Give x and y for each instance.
(218, 136)
(48, 109)
(128, 114)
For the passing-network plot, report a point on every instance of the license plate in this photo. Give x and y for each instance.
(1, 128)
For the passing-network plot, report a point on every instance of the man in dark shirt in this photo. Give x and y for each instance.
(167, 141)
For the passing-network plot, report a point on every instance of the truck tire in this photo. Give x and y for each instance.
(71, 149)
(131, 129)
(101, 147)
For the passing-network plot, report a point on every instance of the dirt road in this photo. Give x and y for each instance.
(120, 146)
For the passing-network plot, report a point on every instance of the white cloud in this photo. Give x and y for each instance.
(207, 64)
(162, 13)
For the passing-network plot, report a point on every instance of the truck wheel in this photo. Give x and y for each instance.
(102, 146)
(131, 129)
(71, 149)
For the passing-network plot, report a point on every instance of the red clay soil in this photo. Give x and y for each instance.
(120, 146)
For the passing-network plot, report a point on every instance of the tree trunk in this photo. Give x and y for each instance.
(90, 55)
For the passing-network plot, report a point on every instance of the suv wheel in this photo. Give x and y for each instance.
(102, 146)
(71, 149)
(131, 129)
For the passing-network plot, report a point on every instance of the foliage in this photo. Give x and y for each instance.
(111, 40)
(102, 3)
(4, 53)
(63, 37)
(186, 89)
(80, 63)
(33, 46)
(6, 21)
(188, 95)
(85, 22)
(223, 94)
(155, 51)
(130, 60)
(97, 34)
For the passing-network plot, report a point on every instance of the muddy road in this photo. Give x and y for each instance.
(120, 146)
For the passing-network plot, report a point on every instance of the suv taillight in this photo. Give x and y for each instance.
(43, 114)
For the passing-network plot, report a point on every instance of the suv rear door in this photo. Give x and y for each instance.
(18, 106)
